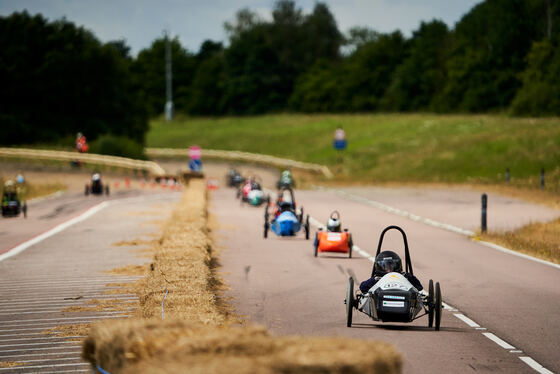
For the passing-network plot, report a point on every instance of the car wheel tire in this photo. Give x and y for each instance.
(266, 230)
(24, 210)
(316, 245)
(86, 191)
(307, 227)
(438, 306)
(349, 301)
(350, 245)
(431, 303)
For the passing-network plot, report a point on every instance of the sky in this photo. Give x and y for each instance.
(139, 22)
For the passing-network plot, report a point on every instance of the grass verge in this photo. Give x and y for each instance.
(540, 240)
(388, 147)
(199, 332)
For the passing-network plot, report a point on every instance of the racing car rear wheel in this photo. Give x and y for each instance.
(106, 190)
(316, 244)
(431, 303)
(24, 210)
(266, 229)
(349, 301)
(438, 306)
(86, 191)
(350, 245)
(306, 227)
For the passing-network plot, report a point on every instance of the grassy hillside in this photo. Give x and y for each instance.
(387, 147)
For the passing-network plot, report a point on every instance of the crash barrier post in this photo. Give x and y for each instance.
(542, 178)
(507, 175)
(162, 301)
(484, 211)
(121, 162)
(243, 156)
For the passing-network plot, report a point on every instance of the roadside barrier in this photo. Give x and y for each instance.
(121, 162)
(242, 156)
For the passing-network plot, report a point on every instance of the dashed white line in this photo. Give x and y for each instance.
(500, 342)
(43, 366)
(466, 319)
(535, 365)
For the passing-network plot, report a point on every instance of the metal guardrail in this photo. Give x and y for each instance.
(242, 156)
(122, 162)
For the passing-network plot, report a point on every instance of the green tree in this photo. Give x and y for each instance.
(540, 92)
(422, 74)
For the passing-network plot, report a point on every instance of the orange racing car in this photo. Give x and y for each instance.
(333, 239)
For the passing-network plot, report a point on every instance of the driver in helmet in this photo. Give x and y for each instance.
(334, 225)
(388, 262)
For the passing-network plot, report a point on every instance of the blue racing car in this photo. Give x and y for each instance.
(285, 220)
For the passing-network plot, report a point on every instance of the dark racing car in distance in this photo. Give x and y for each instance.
(12, 204)
(96, 186)
(234, 178)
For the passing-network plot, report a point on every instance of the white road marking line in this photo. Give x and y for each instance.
(516, 351)
(108, 315)
(41, 354)
(42, 349)
(33, 344)
(43, 338)
(461, 316)
(42, 282)
(65, 304)
(430, 222)
(61, 298)
(65, 372)
(535, 365)
(55, 230)
(498, 341)
(42, 366)
(52, 359)
(466, 319)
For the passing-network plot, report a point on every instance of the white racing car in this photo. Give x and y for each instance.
(393, 298)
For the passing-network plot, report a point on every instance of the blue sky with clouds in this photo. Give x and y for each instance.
(139, 22)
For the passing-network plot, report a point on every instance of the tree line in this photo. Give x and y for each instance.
(57, 78)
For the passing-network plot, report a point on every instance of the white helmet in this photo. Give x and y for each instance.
(333, 224)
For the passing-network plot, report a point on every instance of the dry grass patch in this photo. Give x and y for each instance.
(172, 346)
(10, 364)
(77, 329)
(104, 305)
(130, 270)
(134, 242)
(537, 239)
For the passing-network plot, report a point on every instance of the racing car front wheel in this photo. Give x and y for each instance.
(24, 210)
(438, 306)
(86, 191)
(431, 304)
(349, 301)
(266, 230)
(307, 227)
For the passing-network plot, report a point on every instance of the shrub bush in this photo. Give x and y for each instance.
(118, 146)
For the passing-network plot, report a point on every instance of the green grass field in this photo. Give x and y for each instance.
(387, 147)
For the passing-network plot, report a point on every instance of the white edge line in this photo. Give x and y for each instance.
(535, 365)
(42, 366)
(515, 253)
(466, 319)
(55, 230)
(498, 341)
(430, 222)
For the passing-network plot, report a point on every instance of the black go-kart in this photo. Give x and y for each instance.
(393, 298)
(234, 178)
(12, 205)
(96, 186)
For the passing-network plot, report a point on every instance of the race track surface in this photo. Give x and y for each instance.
(68, 269)
(277, 282)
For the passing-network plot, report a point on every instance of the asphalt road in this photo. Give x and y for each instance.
(68, 269)
(278, 282)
